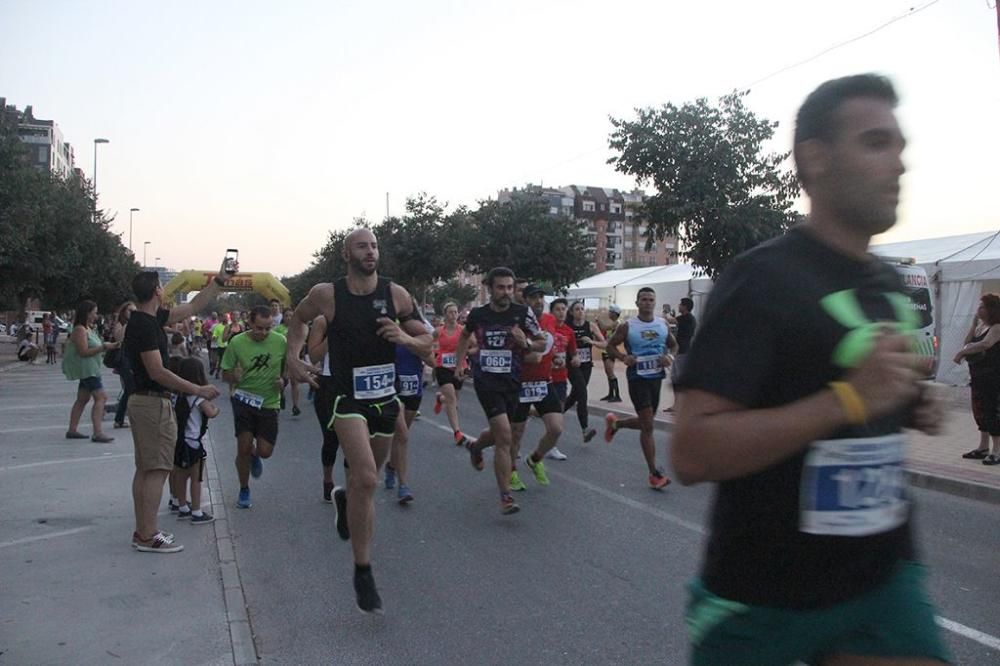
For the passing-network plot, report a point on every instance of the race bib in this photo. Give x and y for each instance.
(583, 353)
(534, 391)
(374, 381)
(449, 360)
(648, 366)
(853, 487)
(409, 385)
(249, 399)
(497, 361)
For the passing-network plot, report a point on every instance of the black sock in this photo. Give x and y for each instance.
(362, 568)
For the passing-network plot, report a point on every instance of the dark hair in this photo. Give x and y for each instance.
(259, 311)
(646, 290)
(176, 338)
(174, 364)
(558, 301)
(193, 370)
(144, 285)
(992, 304)
(123, 312)
(274, 300)
(817, 117)
(82, 310)
(498, 272)
(688, 303)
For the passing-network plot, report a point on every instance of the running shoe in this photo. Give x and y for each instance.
(204, 519)
(158, 544)
(538, 469)
(992, 459)
(658, 480)
(172, 505)
(437, 404)
(976, 454)
(611, 426)
(516, 483)
(244, 500)
(367, 595)
(390, 477)
(256, 466)
(340, 499)
(328, 492)
(475, 457)
(508, 505)
(589, 435)
(404, 495)
(72, 434)
(295, 410)
(461, 439)
(554, 453)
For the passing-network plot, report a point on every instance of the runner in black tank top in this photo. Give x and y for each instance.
(579, 378)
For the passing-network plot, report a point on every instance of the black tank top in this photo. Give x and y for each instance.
(362, 364)
(580, 332)
(985, 363)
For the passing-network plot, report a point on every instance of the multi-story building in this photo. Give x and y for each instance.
(661, 252)
(45, 140)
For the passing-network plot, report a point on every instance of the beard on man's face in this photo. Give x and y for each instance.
(359, 265)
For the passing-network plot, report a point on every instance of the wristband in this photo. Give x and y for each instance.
(221, 283)
(851, 402)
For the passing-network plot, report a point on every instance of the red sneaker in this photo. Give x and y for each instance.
(611, 422)
(658, 480)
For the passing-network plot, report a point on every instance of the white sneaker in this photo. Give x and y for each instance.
(555, 454)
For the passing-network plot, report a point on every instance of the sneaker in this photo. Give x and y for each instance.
(367, 595)
(390, 477)
(328, 492)
(461, 439)
(172, 505)
(256, 466)
(158, 544)
(554, 453)
(615, 399)
(508, 505)
(992, 459)
(404, 495)
(102, 439)
(475, 457)
(538, 469)
(589, 435)
(437, 404)
(976, 454)
(611, 425)
(204, 519)
(658, 480)
(72, 434)
(340, 499)
(244, 501)
(296, 411)
(516, 483)
(185, 513)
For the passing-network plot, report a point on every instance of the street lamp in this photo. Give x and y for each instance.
(156, 262)
(130, 211)
(96, 141)
(145, 245)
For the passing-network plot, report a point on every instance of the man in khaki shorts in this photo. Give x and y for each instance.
(150, 412)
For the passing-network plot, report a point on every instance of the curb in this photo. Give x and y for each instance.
(918, 478)
(237, 615)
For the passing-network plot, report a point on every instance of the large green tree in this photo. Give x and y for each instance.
(53, 245)
(452, 290)
(524, 236)
(718, 190)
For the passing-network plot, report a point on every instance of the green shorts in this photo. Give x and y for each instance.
(895, 619)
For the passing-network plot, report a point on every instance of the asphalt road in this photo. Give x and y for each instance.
(592, 570)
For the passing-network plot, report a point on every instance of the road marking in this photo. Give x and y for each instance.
(33, 429)
(950, 625)
(23, 407)
(42, 537)
(107, 456)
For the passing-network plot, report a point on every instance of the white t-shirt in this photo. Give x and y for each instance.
(192, 429)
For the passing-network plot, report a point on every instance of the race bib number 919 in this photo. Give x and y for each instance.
(409, 385)
(853, 487)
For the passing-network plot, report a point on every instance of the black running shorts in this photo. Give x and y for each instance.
(411, 403)
(550, 404)
(447, 376)
(496, 403)
(261, 423)
(380, 416)
(645, 393)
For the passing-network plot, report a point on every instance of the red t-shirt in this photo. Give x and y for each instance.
(541, 371)
(563, 350)
(446, 347)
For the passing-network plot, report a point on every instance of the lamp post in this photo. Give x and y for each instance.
(156, 262)
(96, 141)
(145, 245)
(130, 211)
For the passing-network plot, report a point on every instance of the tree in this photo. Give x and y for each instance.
(452, 290)
(717, 190)
(328, 264)
(523, 236)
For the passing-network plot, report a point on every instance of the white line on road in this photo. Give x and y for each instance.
(33, 429)
(42, 537)
(63, 461)
(955, 627)
(25, 407)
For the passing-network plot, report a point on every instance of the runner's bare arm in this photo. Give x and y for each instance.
(319, 301)
(204, 298)
(153, 363)
(412, 331)
(316, 344)
(617, 339)
(672, 345)
(596, 337)
(461, 350)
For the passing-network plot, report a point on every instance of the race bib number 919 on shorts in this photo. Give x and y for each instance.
(853, 487)
(409, 385)
(374, 381)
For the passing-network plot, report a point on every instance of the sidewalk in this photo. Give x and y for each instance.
(934, 462)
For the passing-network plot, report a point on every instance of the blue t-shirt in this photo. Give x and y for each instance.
(647, 341)
(409, 372)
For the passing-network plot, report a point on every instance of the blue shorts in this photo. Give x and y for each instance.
(91, 384)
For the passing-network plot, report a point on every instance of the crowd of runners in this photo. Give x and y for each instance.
(794, 416)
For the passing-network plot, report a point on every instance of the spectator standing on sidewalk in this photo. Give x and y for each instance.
(83, 362)
(982, 353)
(192, 413)
(154, 425)
(118, 335)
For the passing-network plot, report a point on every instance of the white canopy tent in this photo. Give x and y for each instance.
(621, 287)
(960, 268)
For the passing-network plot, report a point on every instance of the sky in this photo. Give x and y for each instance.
(263, 125)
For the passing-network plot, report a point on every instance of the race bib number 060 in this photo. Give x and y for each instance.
(374, 381)
(497, 361)
(853, 487)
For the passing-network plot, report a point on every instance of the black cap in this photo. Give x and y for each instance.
(532, 289)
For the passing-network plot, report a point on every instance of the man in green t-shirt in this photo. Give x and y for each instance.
(219, 344)
(254, 366)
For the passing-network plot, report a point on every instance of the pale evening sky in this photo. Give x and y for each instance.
(262, 125)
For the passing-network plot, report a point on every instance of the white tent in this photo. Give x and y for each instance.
(621, 287)
(960, 268)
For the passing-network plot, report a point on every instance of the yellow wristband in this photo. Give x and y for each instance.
(852, 403)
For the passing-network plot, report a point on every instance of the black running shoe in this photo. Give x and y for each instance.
(364, 587)
(328, 492)
(340, 499)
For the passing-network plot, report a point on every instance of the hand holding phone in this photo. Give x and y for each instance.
(232, 262)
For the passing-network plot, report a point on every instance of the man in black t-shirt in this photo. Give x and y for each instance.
(150, 412)
(793, 397)
(504, 333)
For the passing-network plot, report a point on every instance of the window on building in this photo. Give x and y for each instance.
(616, 208)
(588, 206)
(554, 210)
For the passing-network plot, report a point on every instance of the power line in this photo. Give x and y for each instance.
(910, 12)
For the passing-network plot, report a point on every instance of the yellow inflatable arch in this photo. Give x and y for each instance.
(264, 284)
